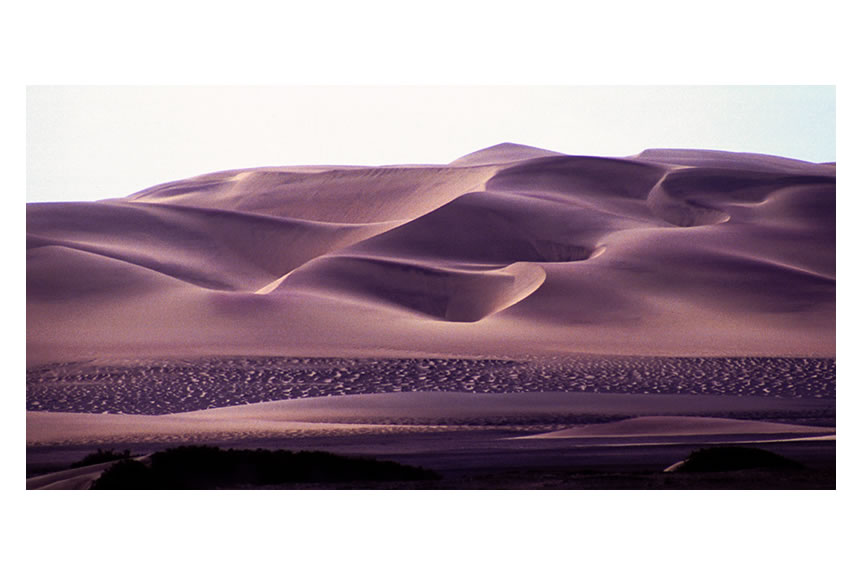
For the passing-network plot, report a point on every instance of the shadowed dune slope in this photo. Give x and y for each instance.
(443, 293)
(215, 249)
(508, 250)
(734, 161)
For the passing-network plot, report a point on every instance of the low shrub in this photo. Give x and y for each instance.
(733, 458)
(101, 456)
(207, 467)
(125, 474)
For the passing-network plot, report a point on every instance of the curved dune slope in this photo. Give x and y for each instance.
(666, 252)
(673, 426)
(733, 161)
(215, 249)
(444, 293)
(502, 153)
(343, 195)
(656, 416)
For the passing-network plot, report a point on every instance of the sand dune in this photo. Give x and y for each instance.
(681, 426)
(429, 411)
(508, 250)
(212, 249)
(96, 429)
(503, 153)
(341, 195)
(734, 161)
(443, 293)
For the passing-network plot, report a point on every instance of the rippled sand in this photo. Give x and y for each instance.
(173, 386)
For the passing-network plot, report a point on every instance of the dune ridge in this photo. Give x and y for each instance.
(509, 250)
(344, 195)
(674, 426)
(415, 412)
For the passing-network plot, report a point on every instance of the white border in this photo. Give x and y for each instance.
(507, 534)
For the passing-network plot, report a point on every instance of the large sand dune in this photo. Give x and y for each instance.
(509, 250)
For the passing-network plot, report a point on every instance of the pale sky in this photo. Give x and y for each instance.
(96, 142)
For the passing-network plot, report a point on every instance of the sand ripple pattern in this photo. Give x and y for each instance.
(172, 386)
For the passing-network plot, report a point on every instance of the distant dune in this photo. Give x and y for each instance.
(681, 426)
(416, 412)
(506, 251)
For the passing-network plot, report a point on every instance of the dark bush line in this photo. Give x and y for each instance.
(734, 458)
(208, 467)
(101, 456)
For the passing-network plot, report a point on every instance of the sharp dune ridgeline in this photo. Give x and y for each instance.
(510, 250)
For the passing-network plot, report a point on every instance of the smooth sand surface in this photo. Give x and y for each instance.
(680, 426)
(392, 413)
(505, 251)
(78, 428)
(74, 478)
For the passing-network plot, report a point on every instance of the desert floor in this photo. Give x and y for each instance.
(547, 424)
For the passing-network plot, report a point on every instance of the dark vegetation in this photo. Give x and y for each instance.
(102, 456)
(731, 458)
(207, 467)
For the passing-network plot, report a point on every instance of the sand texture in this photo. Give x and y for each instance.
(160, 387)
(516, 309)
(537, 413)
(507, 251)
(500, 440)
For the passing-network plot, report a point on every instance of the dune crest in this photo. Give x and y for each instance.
(682, 212)
(443, 293)
(503, 153)
(511, 249)
(353, 195)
